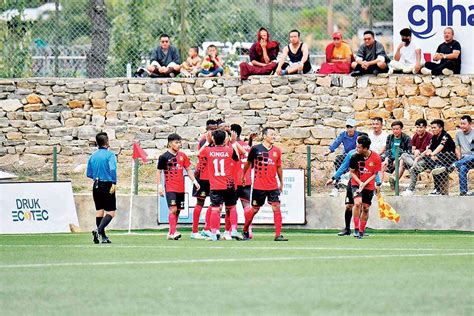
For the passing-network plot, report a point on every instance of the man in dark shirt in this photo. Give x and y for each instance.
(164, 60)
(448, 55)
(371, 57)
(440, 153)
(102, 168)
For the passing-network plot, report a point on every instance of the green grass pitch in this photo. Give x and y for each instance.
(312, 274)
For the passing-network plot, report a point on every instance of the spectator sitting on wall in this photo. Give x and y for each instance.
(348, 139)
(263, 56)
(408, 57)
(396, 138)
(447, 60)
(440, 153)
(338, 57)
(212, 64)
(419, 143)
(192, 65)
(164, 60)
(371, 57)
(298, 53)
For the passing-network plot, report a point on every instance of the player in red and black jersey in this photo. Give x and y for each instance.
(203, 180)
(243, 191)
(172, 163)
(265, 159)
(221, 163)
(364, 166)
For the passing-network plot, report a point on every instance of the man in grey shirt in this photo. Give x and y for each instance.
(371, 57)
(464, 141)
(164, 60)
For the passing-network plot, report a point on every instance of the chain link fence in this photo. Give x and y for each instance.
(99, 38)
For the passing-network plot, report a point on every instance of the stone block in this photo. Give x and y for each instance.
(427, 89)
(442, 92)
(294, 133)
(48, 124)
(33, 107)
(323, 132)
(175, 88)
(418, 101)
(257, 104)
(10, 105)
(372, 104)
(437, 102)
(33, 99)
(135, 88)
(99, 104)
(75, 104)
(131, 106)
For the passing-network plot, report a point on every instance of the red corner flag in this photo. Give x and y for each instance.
(138, 152)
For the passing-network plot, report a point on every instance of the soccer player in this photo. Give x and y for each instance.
(364, 166)
(265, 159)
(102, 168)
(349, 201)
(221, 163)
(243, 191)
(202, 177)
(172, 163)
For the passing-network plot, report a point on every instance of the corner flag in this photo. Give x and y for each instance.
(138, 152)
(386, 210)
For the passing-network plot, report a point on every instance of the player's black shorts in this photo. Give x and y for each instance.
(103, 200)
(204, 191)
(366, 195)
(349, 195)
(243, 192)
(175, 199)
(259, 196)
(227, 197)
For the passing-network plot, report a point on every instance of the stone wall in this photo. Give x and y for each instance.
(307, 110)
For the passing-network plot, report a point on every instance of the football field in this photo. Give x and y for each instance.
(313, 273)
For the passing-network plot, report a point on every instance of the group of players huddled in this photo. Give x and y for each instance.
(223, 174)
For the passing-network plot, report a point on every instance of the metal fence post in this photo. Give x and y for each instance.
(55, 163)
(308, 171)
(397, 169)
(136, 163)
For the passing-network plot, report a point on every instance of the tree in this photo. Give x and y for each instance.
(97, 56)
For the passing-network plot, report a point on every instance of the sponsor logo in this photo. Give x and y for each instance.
(422, 17)
(29, 210)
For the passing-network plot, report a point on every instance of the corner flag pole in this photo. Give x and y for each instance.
(134, 161)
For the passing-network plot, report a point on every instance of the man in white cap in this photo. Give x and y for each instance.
(348, 139)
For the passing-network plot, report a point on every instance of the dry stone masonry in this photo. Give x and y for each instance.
(36, 114)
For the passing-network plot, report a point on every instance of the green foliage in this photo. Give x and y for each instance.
(15, 40)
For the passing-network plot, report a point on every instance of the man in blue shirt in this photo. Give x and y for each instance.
(348, 139)
(343, 168)
(102, 168)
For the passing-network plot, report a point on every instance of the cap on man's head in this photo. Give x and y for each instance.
(337, 35)
(350, 122)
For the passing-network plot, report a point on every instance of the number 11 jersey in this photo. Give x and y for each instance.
(222, 162)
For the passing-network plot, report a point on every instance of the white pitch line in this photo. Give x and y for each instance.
(222, 260)
(247, 246)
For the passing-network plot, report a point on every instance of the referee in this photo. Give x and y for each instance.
(102, 168)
